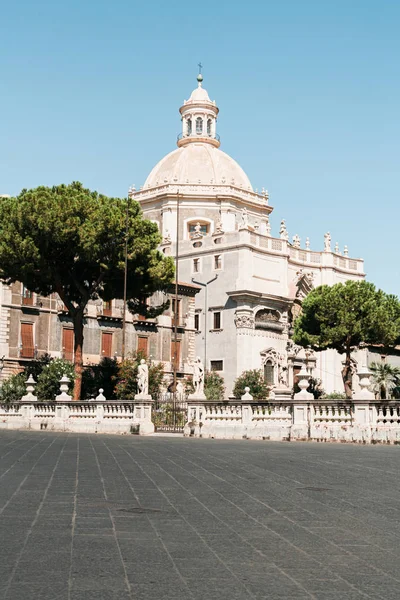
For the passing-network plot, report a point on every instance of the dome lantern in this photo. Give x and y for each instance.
(199, 118)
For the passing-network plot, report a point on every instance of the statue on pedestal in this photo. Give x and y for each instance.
(244, 223)
(143, 378)
(198, 377)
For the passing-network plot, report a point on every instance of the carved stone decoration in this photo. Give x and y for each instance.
(245, 320)
(305, 283)
(197, 232)
(267, 318)
(267, 227)
(270, 355)
(279, 360)
(167, 237)
(292, 349)
(283, 233)
(218, 227)
(296, 241)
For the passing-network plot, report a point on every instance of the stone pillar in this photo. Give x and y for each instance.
(30, 388)
(301, 408)
(364, 412)
(194, 416)
(143, 407)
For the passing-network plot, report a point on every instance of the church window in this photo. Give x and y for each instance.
(269, 373)
(208, 126)
(199, 125)
(217, 365)
(217, 320)
(189, 127)
(217, 262)
(197, 322)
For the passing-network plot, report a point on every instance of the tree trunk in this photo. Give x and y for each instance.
(347, 376)
(78, 346)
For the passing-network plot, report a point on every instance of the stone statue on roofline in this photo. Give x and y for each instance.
(283, 233)
(327, 242)
(296, 241)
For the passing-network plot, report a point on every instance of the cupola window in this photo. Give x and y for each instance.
(199, 125)
(209, 127)
(189, 127)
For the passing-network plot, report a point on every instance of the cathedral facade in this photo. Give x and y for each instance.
(251, 282)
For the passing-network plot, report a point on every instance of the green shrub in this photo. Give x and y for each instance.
(254, 379)
(48, 381)
(13, 388)
(214, 387)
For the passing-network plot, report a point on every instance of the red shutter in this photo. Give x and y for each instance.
(106, 344)
(68, 344)
(27, 345)
(142, 344)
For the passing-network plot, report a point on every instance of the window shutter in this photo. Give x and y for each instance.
(142, 344)
(28, 347)
(68, 343)
(106, 344)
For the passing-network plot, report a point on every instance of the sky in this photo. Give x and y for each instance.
(308, 91)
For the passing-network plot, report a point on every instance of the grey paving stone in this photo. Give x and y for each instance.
(107, 517)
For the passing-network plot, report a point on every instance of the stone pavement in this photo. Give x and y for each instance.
(85, 517)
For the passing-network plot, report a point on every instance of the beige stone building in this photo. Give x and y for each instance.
(32, 325)
(252, 280)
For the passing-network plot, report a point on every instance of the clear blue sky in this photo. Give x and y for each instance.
(309, 93)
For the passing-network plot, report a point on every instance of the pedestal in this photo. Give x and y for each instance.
(143, 404)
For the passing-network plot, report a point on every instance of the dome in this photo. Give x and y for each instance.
(198, 163)
(199, 95)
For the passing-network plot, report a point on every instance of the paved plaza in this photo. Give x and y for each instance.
(121, 518)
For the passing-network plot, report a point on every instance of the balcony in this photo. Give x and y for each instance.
(183, 139)
(109, 313)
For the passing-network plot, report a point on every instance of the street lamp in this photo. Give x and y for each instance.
(131, 193)
(205, 286)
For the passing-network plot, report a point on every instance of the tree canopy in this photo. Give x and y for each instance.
(343, 316)
(70, 240)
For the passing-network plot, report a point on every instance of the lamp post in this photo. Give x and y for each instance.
(131, 192)
(205, 286)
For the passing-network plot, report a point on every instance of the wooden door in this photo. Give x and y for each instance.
(68, 343)
(27, 345)
(106, 344)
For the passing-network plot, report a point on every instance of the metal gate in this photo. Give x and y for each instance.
(169, 413)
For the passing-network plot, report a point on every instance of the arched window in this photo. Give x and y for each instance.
(199, 125)
(189, 126)
(269, 372)
(208, 126)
